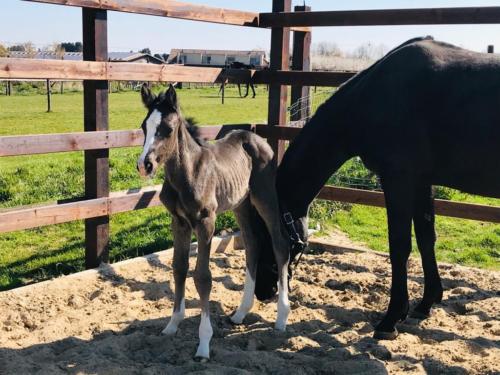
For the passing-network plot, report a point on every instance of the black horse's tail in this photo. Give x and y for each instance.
(266, 280)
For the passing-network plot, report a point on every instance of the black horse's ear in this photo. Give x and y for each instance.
(171, 96)
(147, 96)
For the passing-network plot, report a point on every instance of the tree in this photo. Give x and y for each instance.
(368, 51)
(3, 51)
(72, 47)
(146, 51)
(327, 49)
(16, 48)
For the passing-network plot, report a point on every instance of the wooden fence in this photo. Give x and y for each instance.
(96, 140)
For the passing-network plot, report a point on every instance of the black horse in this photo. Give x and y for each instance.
(426, 114)
(240, 65)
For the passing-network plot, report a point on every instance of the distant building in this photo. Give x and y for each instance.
(219, 58)
(135, 57)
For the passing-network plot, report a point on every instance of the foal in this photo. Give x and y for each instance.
(204, 179)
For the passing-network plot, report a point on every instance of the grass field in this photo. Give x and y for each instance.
(37, 254)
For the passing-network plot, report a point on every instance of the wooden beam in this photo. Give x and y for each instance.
(169, 8)
(384, 17)
(443, 207)
(123, 201)
(278, 94)
(95, 118)
(11, 68)
(50, 214)
(328, 79)
(301, 61)
(79, 141)
(81, 70)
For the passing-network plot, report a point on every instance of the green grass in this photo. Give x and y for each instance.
(38, 254)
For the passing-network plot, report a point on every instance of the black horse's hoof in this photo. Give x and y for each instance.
(415, 314)
(381, 335)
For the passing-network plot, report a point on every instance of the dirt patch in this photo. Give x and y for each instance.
(109, 322)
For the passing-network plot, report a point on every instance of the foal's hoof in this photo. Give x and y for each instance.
(201, 359)
(381, 335)
(236, 319)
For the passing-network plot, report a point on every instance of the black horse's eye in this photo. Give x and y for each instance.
(163, 131)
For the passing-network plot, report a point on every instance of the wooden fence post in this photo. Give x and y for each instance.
(47, 82)
(491, 49)
(278, 94)
(95, 98)
(301, 60)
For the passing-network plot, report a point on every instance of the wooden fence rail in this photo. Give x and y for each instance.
(115, 71)
(384, 17)
(169, 8)
(123, 201)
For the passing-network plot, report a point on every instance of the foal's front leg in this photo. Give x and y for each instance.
(182, 239)
(203, 282)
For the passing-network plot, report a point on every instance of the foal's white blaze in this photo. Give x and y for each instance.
(152, 124)
(175, 319)
(247, 300)
(283, 303)
(205, 333)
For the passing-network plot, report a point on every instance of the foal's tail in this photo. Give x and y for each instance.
(266, 280)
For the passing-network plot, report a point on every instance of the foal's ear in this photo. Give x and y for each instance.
(171, 96)
(147, 96)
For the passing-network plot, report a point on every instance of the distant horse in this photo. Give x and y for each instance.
(428, 113)
(239, 65)
(204, 179)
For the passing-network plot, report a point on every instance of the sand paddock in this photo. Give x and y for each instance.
(108, 321)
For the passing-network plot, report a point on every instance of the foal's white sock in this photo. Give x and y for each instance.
(283, 303)
(205, 332)
(176, 318)
(246, 301)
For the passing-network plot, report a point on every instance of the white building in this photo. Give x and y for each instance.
(217, 57)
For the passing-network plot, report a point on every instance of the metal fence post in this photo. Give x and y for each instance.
(301, 60)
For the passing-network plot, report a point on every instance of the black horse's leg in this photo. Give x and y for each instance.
(239, 90)
(246, 93)
(423, 220)
(399, 202)
(253, 90)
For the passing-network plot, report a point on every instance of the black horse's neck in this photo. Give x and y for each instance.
(319, 150)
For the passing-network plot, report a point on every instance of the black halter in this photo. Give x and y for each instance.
(297, 245)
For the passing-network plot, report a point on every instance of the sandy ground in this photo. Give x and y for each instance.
(108, 322)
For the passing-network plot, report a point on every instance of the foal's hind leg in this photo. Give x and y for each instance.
(266, 202)
(243, 216)
(182, 240)
(423, 219)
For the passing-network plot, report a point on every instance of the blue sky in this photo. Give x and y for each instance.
(45, 24)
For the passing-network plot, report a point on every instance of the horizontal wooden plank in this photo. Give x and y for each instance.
(381, 17)
(11, 68)
(291, 77)
(443, 207)
(172, 9)
(25, 218)
(52, 214)
(286, 133)
(38, 216)
(79, 141)
(167, 8)
(66, 142)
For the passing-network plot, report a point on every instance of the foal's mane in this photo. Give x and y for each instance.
(189, 122)
(193, 130)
